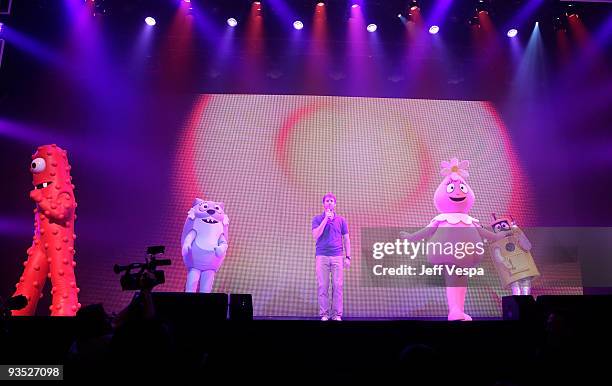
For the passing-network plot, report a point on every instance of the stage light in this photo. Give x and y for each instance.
(99, 7)
(560, 24)
(399, 15)
(414, 5)
(482, 9)
(372, 27)
(434, 29)
(320, 4)
(570, 10)
(355, 6)
(1, 27)
(232, 22)
(298, 25)
(150, 21)
(512, 32)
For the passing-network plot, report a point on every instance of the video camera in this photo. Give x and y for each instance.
(147, 276)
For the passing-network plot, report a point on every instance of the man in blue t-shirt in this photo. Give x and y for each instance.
(330, 230)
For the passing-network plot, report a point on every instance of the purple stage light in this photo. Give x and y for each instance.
(232, 22)
(512, 33)
(355, 6)
(150, 21)
(372, 27)
(298, 25)
(434, 29)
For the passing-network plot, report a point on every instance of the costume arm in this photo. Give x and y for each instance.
(222, 245)
(422, 234)
(187, 242)
(57, 209)
(226, 227)
(486, 234)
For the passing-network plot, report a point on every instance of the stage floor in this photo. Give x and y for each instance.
(352, 319)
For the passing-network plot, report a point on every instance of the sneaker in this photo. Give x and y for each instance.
(337, 319)
(324, 318)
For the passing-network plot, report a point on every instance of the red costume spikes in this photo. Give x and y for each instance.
(52, 251)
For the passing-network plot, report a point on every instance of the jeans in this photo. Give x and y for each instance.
(325, 266)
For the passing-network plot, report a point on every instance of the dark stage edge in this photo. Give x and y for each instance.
(476, 353)
(353, 319)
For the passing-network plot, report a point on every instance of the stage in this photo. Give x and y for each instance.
(258, 167)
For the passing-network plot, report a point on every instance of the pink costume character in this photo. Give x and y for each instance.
(453, 198)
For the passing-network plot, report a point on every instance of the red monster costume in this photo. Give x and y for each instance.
(52, 251)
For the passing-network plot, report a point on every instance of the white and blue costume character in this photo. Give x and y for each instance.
(204, 244)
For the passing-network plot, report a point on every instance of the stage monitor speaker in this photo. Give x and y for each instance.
(581, 307)
(519, 308)
(576, 308)
(190, 308)
(240, 307)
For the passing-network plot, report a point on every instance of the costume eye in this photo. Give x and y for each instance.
(217, 207)
(463, 188)
(505, 226)
(205, 206)
(497, 228)
(38, 165)
(450, 188)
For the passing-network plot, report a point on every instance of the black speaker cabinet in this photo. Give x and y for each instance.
(583, 307)
(190, 308)
(519, 307)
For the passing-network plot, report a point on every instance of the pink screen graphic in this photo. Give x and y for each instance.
(271, 158)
